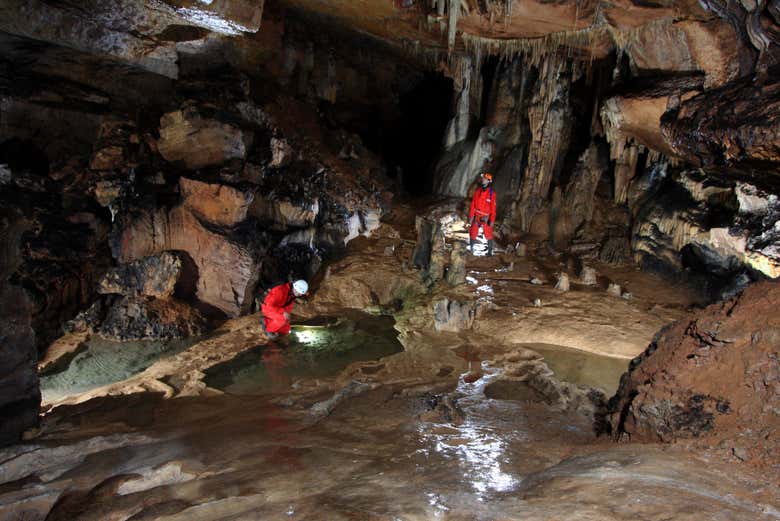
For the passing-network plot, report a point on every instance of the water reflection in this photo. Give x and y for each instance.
(478, 446)
(309, 352)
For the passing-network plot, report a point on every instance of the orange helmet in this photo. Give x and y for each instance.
(488, 176)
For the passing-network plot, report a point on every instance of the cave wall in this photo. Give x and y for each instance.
(597, 155)
(129, 129)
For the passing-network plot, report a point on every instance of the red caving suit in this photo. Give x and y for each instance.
(277, 302)
(483, 208)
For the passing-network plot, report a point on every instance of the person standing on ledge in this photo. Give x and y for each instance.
(278, 304)
(483, 212)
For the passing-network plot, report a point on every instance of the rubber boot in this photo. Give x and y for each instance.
(490, 248)
(472, 242)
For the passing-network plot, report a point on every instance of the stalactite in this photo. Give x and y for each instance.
(535, 50)
(458, 127)
(452, 23)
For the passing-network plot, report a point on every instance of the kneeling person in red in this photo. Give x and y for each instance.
(483, 212)
(278, 304)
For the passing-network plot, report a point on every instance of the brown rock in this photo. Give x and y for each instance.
(107, 158)
(737, 123)
(712, 375)
(154, 276)
(227, 270)
(199, 142)
(281, 153)
(686, 46)
(141, 318)
(635, 117)
(218, 204)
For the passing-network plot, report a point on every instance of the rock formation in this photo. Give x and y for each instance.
(162, 162)
(713, 377)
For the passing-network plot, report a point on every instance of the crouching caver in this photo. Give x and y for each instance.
(278, 304)
(483, 212)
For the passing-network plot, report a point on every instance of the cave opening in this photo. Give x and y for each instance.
(414, 146)
(411, 142)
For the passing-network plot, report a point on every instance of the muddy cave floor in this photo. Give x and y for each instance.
(412, 436)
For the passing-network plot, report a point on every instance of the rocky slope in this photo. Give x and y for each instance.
(711, 379)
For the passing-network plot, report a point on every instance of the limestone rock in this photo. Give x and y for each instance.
(562, 283)
(281, 153)
(634, 118)
(215, 203)
(141, 318)
(456, 272)
(107, 158)
(199, 142)
(285, 213)
(712, 375)
(439, 258)
(711, 46)
(526, 377)
(426, 232)
(88, 320)
(227, 269)
(579, 196)
(153, 276)
(737, 123)
(452, 315)
(588, 276)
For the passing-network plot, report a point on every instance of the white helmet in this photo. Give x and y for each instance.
(300, 287)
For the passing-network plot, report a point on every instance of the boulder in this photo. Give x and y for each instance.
(142, 318)
(285, 213)
(713, 375)
(217, 204)
(227, 266)
(197, 141)
(153, 276)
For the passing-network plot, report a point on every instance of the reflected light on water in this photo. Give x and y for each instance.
(479, 450)
(308, 336)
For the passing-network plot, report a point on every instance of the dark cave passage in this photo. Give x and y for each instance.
(416, 142)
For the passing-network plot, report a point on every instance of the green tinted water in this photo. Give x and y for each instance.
(308, 352)
(581, 367)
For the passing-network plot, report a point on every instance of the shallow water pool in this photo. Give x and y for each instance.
(104, 362)
(581, 367)
(310, 351)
